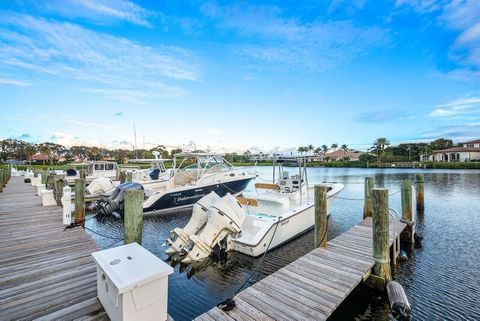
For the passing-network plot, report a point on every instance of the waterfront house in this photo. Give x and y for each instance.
(466, 152)
(341, 154)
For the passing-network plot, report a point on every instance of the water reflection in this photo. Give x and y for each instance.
(441, 278)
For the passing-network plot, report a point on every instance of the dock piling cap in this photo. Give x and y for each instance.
(130, 266)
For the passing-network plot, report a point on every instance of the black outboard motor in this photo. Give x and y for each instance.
(114, 202)
(71, 172)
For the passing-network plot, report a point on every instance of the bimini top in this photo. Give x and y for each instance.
(149, 160)
(290, 159)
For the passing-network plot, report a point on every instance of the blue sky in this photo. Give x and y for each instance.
(239, 75)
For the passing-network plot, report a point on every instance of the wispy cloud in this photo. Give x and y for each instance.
(120, 114)
(65, 50)
(462, 17)
(276, 39)
(457, 107)
(13, 82)
(382, 116)
(99, 11)
(457, 132)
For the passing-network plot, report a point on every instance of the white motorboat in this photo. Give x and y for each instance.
(157, 173)
(95, 169)
(196, 175)
(257, 223)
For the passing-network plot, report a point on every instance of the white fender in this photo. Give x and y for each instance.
(100, 185)
(225, 218)
(180, 236)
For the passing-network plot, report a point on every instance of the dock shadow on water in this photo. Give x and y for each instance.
(440, 279)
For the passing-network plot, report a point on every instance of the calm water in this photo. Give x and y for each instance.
(442, 279)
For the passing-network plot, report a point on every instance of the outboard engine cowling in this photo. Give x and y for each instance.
(100, 185)
(225, 219)
(181, 236)
(114, 202)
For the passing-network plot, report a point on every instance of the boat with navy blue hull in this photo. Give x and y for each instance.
(193, 176)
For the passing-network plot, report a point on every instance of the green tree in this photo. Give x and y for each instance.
(45, 150)
(334, 146)
(30, 150)
(324, 148)
(344, 147)
(379, 146)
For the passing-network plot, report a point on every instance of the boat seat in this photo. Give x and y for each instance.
(267, 186)
(247, 201)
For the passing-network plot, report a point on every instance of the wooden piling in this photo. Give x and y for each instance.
(321, 223)
(122, 177)
(82, 173)
(44, 177)
(367, 207)
(381, 241)
(80, 201)
(1, 180)
(419, 190)
(129, 176)
(133, 216)
(59, 185)
(407, 209)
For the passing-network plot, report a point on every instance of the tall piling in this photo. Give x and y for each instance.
(122, 177)
(381, 242)
(321, 222)
(59, 185)
(133, 216)
(129, 177)
(80, 201)
(407, 209)
(1, 180)
(367, 197)
(419, 191)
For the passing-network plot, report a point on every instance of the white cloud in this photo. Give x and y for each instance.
(66, 50)
(13, 82)
(100, 10)
(314, 44)
(457, 107)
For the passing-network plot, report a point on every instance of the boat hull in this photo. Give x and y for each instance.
(295, 223)
(188, 197)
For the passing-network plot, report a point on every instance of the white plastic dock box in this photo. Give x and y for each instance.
(132, 283)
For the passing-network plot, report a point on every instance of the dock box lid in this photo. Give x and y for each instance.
(130, 266)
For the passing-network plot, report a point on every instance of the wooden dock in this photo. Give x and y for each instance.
(46, 273)
(313, 286)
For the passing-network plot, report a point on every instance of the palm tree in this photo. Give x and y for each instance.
(301, 149)
(324, 148)
(379, 145)
(344, 147)
(334, 146)
(317, 151)
(310, 148)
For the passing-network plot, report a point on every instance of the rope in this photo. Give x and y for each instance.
(105, 236)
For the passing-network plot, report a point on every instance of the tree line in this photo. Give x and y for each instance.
(22, 150)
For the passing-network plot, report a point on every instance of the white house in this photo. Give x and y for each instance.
(468, 152)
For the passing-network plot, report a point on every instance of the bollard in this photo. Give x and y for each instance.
(129, 177)
(122, 177)
(367, 198)
(117, 173)
(133, 216)
(407, 210)
(80, 201)
(66, 202)
(59, 185)
(381, 237)
(321, 222)
(419, 189)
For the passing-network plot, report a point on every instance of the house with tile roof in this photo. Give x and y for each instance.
(467, 152)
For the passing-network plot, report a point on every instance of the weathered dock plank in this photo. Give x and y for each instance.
(46, 273)
(313, 286)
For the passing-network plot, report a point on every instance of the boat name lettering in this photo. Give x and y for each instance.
(284, 222)
(184, 198)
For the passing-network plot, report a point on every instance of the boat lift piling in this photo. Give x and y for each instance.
(367, 207)
(321, 222)
(80, 201)
(133, 216)
(407, 210)
(420, 190)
